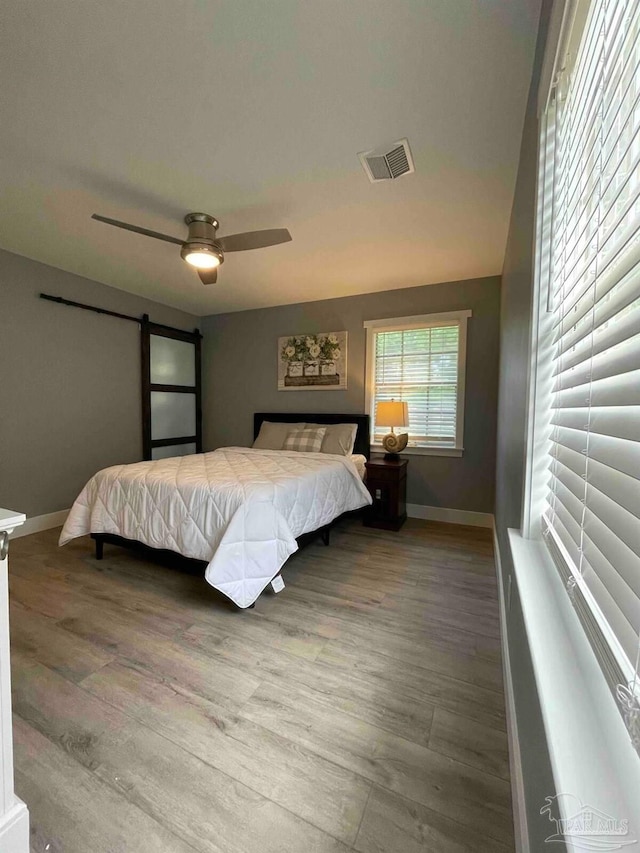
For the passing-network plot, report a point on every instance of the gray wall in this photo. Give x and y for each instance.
(240, 358)
(515, 326)
(70, 383)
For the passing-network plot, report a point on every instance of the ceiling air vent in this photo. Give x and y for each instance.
(389, 162)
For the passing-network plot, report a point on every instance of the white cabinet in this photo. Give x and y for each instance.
(14, 816)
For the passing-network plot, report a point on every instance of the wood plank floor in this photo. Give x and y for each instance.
(359, 709)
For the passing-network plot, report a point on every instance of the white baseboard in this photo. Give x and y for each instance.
(14, 829)
(515, 762)
(41, 522)
(451, 516)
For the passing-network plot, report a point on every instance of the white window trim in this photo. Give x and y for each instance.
(590, 750)
(540, 379)
(421, 321)
(588, 744)
(539, 376)
(589, 747)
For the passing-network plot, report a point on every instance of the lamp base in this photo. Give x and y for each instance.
(394, 443)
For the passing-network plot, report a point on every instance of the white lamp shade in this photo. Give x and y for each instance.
(392, 414)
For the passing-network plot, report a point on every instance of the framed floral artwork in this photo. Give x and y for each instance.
(313, 362)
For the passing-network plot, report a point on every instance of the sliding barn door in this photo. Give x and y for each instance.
(171, 392)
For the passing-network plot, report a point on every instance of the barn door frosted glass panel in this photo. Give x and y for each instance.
(172, 415)
(171, 392)
(172, 450)
(172, 362)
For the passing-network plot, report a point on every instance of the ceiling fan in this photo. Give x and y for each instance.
(202, 249)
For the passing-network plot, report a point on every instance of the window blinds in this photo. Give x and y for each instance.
(592, 199)
(420, 367)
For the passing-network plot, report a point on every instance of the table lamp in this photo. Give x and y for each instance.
(393, 414)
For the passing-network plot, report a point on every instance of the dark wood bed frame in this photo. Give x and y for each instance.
(361, 446)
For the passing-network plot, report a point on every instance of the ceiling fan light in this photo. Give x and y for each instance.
(201, 256)
(202, 260)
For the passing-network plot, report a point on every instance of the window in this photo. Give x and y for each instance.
(587, 362)
(420, 361)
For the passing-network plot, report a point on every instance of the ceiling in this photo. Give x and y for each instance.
(254, 112)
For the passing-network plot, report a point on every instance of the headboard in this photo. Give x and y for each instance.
(363, 435)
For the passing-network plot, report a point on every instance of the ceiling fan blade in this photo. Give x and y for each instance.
(137, 229)
(253, 240)
(208, 276)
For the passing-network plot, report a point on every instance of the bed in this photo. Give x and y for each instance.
(242, 511)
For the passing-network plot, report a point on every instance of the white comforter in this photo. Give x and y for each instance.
(238, 508)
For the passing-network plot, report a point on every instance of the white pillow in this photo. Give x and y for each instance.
(338, 439)
(272, 435)
(305, 440)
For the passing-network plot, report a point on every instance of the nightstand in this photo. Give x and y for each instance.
(387, 484)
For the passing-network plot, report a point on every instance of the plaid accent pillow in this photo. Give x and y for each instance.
(305, 440)
(272, 435)
(339, 438)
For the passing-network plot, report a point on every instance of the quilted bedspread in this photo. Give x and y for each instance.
(237, 508)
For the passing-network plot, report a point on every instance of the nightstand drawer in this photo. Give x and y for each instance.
(386, 475)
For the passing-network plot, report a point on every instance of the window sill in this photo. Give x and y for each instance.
(423, 451)
(591, 754)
